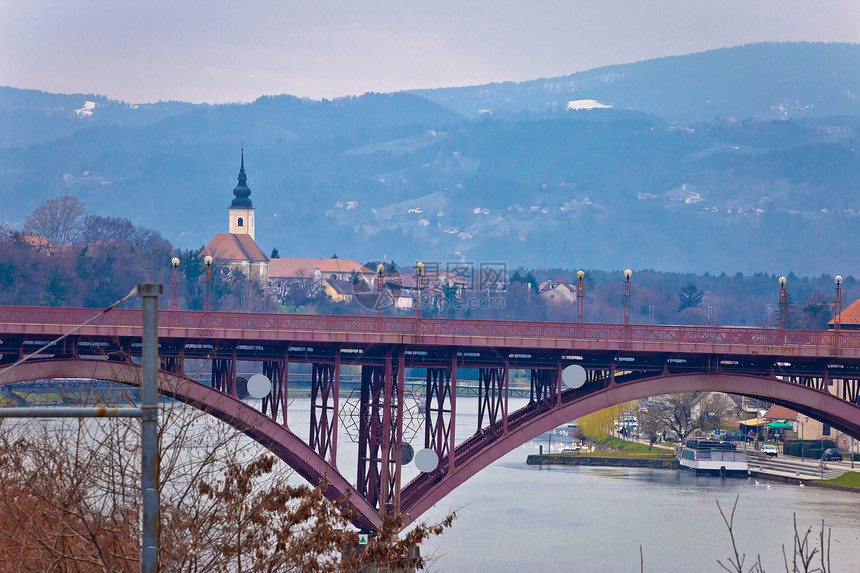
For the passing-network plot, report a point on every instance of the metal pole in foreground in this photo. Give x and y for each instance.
(149, 451)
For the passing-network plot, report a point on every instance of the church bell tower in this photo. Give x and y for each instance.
(241, 208)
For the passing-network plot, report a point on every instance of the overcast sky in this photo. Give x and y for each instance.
(225, 51)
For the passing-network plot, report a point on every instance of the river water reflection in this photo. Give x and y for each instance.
(514, 517)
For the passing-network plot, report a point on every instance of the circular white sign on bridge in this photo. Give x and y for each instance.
(259, 386)
(426, 460)
(407, 453)
(573, 376)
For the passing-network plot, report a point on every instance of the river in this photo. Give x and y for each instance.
(514, 517)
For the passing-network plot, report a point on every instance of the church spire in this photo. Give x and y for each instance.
(242, 193)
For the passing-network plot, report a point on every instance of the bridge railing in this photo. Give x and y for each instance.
(219, 324)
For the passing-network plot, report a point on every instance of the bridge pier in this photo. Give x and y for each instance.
(276, 372)
(224, 375)
(325, 387)
(380, 432)
(438, 412)
(493, 397)
(544, 385)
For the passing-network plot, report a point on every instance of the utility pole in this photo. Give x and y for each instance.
(149, 430)
(148, 413)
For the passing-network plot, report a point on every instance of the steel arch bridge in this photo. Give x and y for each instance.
(813, 372)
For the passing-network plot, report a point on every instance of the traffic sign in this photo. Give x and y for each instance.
(362, 538)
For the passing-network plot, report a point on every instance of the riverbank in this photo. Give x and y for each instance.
(618, 462)
(672, 464)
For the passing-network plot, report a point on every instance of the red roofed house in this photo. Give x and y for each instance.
(777, 413)
(237, 251)
(849, 319)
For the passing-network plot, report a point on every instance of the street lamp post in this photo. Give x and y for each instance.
(207, 285)
(627, 274)
(580, 295)
(837, 311)
(380, 275)
(782, 303)
(174, 301)
(419, 274)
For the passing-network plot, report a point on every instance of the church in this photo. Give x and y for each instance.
(236, 251)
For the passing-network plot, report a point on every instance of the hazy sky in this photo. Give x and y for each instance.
(224, 51)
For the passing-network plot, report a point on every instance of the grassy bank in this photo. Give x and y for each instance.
(850, 479)
(627, 450)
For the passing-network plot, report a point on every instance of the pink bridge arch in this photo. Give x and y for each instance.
(471, 455)
(531, 421)
(253, 423)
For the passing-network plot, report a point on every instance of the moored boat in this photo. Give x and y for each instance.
(712, 457)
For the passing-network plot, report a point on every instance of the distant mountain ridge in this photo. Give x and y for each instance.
(696, 166)
(760, 81)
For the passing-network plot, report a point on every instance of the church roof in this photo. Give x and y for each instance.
(242, 194)
(231, 247)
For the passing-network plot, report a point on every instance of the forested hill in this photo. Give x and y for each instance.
(760, 81)
(753, 186)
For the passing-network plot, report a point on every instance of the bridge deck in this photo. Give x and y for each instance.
(365, 331)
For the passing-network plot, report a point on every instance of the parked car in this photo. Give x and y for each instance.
(737, 437)
(831, 455)
(770, 450)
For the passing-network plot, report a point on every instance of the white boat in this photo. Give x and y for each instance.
(712, 457)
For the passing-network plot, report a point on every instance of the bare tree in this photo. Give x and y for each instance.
(803, 552)
(650, 423)
(100, 228)
(300, 290)
(151, 242)
(69, 502)
(683, 414)
(60, 221)
(245, 295)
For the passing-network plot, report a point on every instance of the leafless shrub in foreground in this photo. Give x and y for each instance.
(70, 502)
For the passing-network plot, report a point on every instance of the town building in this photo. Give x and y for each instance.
(558, 290)
(849, 319)
(309, 276)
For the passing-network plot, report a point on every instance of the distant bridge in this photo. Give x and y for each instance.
(814, 372)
